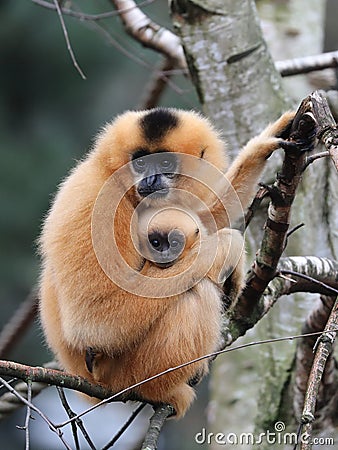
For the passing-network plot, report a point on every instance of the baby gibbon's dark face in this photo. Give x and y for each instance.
(165, 248)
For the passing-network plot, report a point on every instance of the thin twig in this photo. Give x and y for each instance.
(309, 160)
(9, 403)
(38, 411)
(262, 193)
(308, 278)
(90, 17)
(70, 414)
(28, 413)
(157, 84)
(54, 377)
(65, 33)
(78, 422)
(124, 427)
(294, 229)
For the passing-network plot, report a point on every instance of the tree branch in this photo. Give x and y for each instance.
(322, 353)
(327, 127)
(149, 33)
(327, 396)
(65, 33)
(55, 377)
(282, 194)
(321, 269)
(18, 323)
(307, 64)
(156, 423)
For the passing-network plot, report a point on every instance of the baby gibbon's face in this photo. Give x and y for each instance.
(166, 235)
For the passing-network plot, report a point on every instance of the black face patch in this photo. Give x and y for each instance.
(157, 123)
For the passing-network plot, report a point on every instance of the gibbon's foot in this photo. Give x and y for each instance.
(89, 358)
(300, 145)
(274, 193)
(195, 379)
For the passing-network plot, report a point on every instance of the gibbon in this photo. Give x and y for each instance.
(84, 313)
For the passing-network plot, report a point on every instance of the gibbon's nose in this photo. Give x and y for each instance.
(151, 180)
(153, 184)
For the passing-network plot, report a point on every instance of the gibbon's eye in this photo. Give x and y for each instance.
(176, 240)
(167, 163)
(174, 243)
(139, 164)
(155, 243)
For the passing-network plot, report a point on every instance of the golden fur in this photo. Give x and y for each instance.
(137, 337)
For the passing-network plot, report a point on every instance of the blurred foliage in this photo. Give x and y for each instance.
(49, 117)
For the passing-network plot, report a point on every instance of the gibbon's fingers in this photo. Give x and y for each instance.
(230, 254)
(246, 170)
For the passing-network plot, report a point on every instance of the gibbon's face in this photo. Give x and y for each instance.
(166, 235)
(153, 142)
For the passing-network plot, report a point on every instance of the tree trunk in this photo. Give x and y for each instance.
(240, 90)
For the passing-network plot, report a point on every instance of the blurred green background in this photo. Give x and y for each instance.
(49, 117)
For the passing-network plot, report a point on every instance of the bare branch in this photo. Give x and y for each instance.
(310, 159)
(18, 323)
(124, 427)
(51, 376)
(37, 410)
(282, 194)
(149, 33)
(321, 269)
(327, 127)
(307, 64)
(156, 423)
(65, 33)
(157, 84)
(77, 423)
(327, 396)
(28, 412)
(330, 289)
(323, 351)
(83, 16)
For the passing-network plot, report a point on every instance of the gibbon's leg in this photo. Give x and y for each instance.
(245, 171)
(229, 263)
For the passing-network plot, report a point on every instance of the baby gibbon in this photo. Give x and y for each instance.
(172, 240)
(82, 308)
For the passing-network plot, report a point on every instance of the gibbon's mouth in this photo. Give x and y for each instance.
(154, 194)
(165, 265)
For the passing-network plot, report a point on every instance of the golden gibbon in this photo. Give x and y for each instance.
(119, 336)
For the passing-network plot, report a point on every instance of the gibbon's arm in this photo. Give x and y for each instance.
(245, 171)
